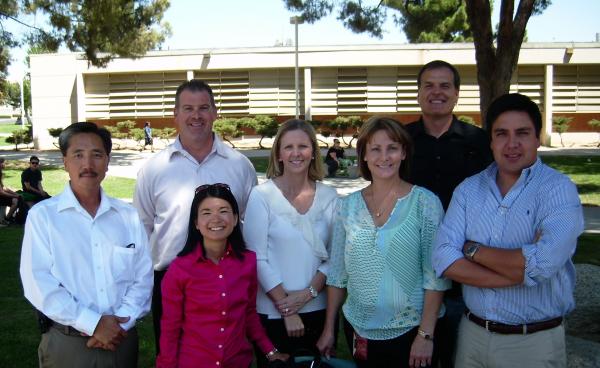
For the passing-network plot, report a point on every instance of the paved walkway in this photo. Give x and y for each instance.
(127, 163)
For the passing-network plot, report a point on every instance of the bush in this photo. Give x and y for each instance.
(263, 125)
(560, 124)
(20, 136)
(228, 128)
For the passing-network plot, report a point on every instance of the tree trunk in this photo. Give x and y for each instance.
(496, 66)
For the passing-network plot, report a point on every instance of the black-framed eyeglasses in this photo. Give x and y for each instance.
(215, 185)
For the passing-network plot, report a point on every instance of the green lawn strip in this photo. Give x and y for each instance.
(585, 173)
(9, 128)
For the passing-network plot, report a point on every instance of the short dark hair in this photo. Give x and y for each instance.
(514, 102)
(34, 158)
(396, 132)
(64, 140)
(194, 236)
(194, 85)
(439, 64)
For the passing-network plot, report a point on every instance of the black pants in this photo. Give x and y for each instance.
(386, 353)
(157, 307)
(448, 330)
(313, 327)
(332, 167)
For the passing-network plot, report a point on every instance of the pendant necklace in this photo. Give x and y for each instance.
(382, 206)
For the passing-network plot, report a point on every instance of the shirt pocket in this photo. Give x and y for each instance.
(122, 264)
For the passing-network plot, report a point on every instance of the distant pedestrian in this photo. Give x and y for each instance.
(148, 136)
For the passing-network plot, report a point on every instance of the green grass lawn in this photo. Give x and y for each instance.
(19, 335)
(9, 128)
(584, 171)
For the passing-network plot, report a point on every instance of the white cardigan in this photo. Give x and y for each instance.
(290, 247)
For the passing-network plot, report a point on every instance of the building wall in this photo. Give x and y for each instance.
(336, 80)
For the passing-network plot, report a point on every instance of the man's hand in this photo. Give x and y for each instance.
(108, 332)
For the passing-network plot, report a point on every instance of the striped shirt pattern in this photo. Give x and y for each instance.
(542, 215)
(385, 269)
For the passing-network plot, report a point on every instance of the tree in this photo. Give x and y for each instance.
(496, 54)
(265, 126)
(560, 124)
(20, 136)
(228, 128)
(102, 29)
(595, 123)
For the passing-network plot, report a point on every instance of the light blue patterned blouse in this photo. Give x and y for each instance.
(385, 269)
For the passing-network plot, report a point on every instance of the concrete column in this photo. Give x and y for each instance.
(190, 74)
(546, 133)
(307, 93)
(80, 114)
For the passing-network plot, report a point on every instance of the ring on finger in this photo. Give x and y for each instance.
(286, 310)
(423, 364)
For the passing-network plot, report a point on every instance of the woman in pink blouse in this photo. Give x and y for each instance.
(209, 292)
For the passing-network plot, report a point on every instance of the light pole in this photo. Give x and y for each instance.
(295, 21)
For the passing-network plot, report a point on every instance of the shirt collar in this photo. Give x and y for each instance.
(455, 127)
(527, 174)
(68, 200)
(200, 258)
(218, 148)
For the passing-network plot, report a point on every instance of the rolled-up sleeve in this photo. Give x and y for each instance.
(433, 213)
(560, 226)
(337, 275)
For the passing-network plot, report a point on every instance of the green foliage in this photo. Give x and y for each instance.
(102, 29)
(560, 124)
(164, 134)
(265, 126)
(595, 123)
(356, 122)
(20, 136)
(137, 134)
(11, 94)
(435, 21)
(55, 132)
(228, 128)
(467, 119)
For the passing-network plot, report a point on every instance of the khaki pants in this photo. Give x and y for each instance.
(480, 348)
(58, 350)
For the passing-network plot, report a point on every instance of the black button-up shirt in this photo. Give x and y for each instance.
(440, 164)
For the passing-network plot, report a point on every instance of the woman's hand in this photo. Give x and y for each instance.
(293, 302)
(420, 352)
(278, 356)
(294, 325)
(325, 344)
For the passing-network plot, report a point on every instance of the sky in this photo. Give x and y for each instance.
(252, 23)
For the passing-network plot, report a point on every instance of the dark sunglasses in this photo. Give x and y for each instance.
(34, 163)
(208, 186)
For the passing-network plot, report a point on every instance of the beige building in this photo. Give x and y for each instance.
(563, 78)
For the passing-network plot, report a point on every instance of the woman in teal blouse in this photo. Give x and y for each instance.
(381, 257)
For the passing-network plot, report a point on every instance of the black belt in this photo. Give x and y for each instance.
(505, 329)
(67, 330)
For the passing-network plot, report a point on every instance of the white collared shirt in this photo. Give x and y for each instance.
(165, 189)
(76, 268)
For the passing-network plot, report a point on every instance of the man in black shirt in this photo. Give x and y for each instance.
(31, 181)
(333, 157)
(447, 151)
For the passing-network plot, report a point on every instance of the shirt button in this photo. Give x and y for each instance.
(218, 363)
(101, 290)
(222, 329)
(223, 294)
(437, 157)
(220, 276)
(223, 313)
(220, 346)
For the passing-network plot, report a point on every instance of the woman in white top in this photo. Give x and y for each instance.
(288, 224)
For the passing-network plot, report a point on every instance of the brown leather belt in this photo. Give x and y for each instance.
(67, 330)
(505, 329)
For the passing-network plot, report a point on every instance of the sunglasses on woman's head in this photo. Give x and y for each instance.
(208, 186)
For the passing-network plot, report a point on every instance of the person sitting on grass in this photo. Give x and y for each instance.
(8, 197)
(209, 291)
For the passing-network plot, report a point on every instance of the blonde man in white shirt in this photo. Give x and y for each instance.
(165, 185)
(85, 263)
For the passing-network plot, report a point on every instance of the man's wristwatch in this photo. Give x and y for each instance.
(313, 292)
(425, 335)
(471, 249)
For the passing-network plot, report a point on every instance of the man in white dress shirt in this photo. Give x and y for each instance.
(85, 263)
(165, 185)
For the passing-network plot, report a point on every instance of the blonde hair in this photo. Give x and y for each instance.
(275, 168)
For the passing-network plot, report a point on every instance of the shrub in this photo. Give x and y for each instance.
(228, 128)
(560, 124)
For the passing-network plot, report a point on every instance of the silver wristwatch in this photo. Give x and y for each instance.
(313, 292)
(472, 248)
